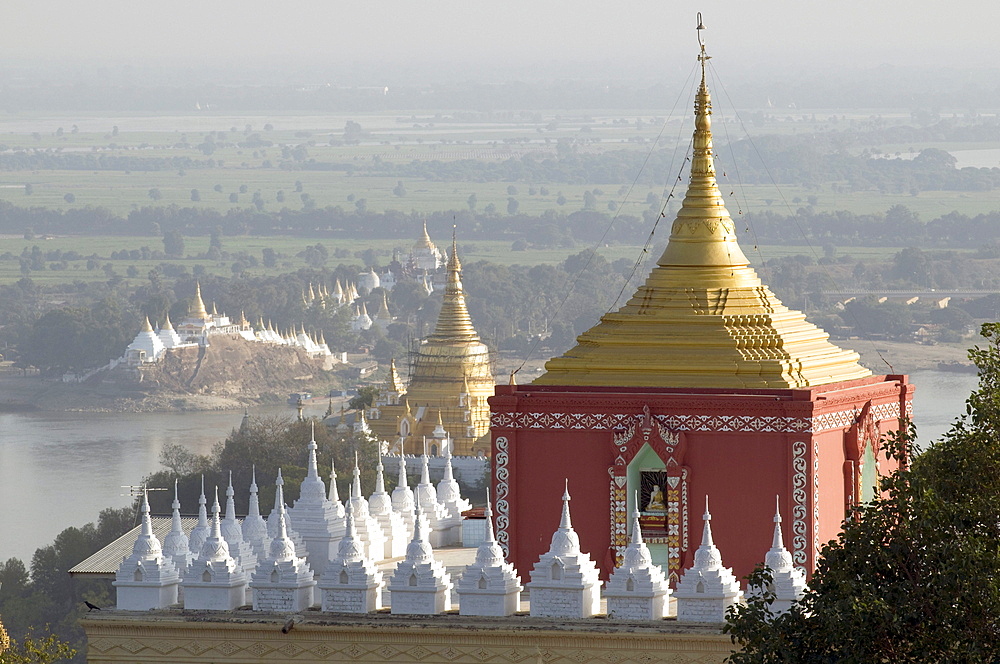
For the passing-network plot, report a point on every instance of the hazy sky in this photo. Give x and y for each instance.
(498, 35)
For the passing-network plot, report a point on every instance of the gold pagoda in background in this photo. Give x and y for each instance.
(703, 318)
(450, 382)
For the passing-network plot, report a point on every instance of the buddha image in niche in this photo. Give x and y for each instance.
(655, 503)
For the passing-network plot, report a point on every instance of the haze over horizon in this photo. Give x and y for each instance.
(456, 39)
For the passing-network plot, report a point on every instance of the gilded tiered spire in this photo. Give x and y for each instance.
(394, 384)
(199, 304)
(451, 362)
(703, 318)
(425, 241)
(453, 323)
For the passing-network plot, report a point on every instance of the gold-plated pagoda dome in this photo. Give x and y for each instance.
(199, 304)
(425, 241)
(450, 372)
(703, 318)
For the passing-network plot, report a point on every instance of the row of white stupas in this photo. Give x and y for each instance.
(564, 582)
(150, 345)
(316, 525)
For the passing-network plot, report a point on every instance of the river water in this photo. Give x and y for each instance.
(60, 469)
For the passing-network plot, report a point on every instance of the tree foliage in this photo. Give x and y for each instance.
(915, 574)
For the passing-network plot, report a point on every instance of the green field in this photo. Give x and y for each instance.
(287, 247)
(402, 138)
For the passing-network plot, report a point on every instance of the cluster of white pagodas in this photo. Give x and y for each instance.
(322, 544)
(273, 564)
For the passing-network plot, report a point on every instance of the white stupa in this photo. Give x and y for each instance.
(403, 499)
(214, 580)
(788, 583)
(637, 589)
(706, 589)
(283, 582)
(202, 529)
(351, 583)
(393, 526)
(254, 525)
(420, 585)
(490, 586)
(239, 548)
(168, 335)
(368, 528)
(146, 579)
(274, 520)
(176, 545)
(449, 493)
(316, 518)
(565, 582)
(146, 347)
(444, 529)
(368, 281)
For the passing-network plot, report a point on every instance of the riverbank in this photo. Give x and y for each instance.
(884, 357)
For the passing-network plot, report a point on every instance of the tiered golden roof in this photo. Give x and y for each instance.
(425, 241)
(451, 372)
(703, 318)
(199, 304)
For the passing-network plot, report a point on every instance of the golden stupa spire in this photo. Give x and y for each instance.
(146, 327)
(199, 304)
(166, 323)
(703, 318)
(394, 383)
(425, 241)
(454, 323)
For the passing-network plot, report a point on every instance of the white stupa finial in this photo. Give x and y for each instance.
(216, 522)
(334, 492)
(776, 541)
(147, 523)
(636, 528)
(401, 475)
(565, 523)
(379, 478)
(279, 492)
(488, 513)
(202, 510)
(425, 472)
(313, 466)
(706, 536)
(230, 499)
(356, 479)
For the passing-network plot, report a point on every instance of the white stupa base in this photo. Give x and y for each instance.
(287, 599)
(206, 597)
(351, 600)
(634, 606)
(565, 602)
(705, 610)
(485, 603)
(420, 602)
(134, 596)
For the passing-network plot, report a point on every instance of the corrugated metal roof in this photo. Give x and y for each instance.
(106, 561)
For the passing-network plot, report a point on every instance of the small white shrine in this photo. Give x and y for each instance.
(232, 531)
(706, 589)
(202, 529)
(637, 589)
(214, 580)
(402, 498)
(444, 528)
(168, 336)
(565, 582)
(274, 518)
(420, 585)
(368, 529)
(490, 586)
(146, 579)
(283, 582)
(788, 583)
(449, 493)
(319, 521)
(351, 583)
(254, 526)
(392, 523)
(176, 545)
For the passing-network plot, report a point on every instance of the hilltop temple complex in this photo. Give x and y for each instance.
(704, 382)
(445, 401)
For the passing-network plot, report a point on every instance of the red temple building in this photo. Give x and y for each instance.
(703, 384)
